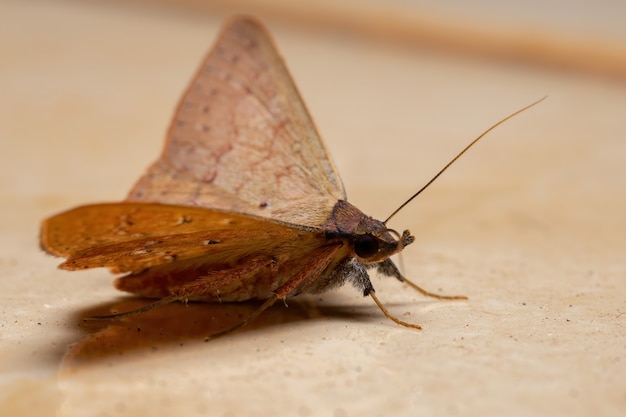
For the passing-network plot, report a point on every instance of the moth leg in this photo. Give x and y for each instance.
(267, 304)
(391, 316)
(212, 282)
(321, 260)
(163, 301)
(388, 268)
(357, 273)
(192, 288)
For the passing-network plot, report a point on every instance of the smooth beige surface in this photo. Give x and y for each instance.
(531, 225)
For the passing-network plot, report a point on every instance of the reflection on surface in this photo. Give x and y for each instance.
(178, 323)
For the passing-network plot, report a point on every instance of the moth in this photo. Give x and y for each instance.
(243, 203)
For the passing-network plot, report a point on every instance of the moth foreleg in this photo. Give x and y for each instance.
(388, 268)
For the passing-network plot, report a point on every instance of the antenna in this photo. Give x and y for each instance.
(472, 143)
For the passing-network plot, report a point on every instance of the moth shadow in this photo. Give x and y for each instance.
(179, 323)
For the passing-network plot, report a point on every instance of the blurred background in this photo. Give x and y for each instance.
(70, 65)
(581, 36)
(530, 224)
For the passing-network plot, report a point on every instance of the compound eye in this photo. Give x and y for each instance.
(366, 246)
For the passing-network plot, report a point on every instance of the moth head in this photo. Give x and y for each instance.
(376, 246)
(370, 240)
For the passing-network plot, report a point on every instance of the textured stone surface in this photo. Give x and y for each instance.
(530, 225)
